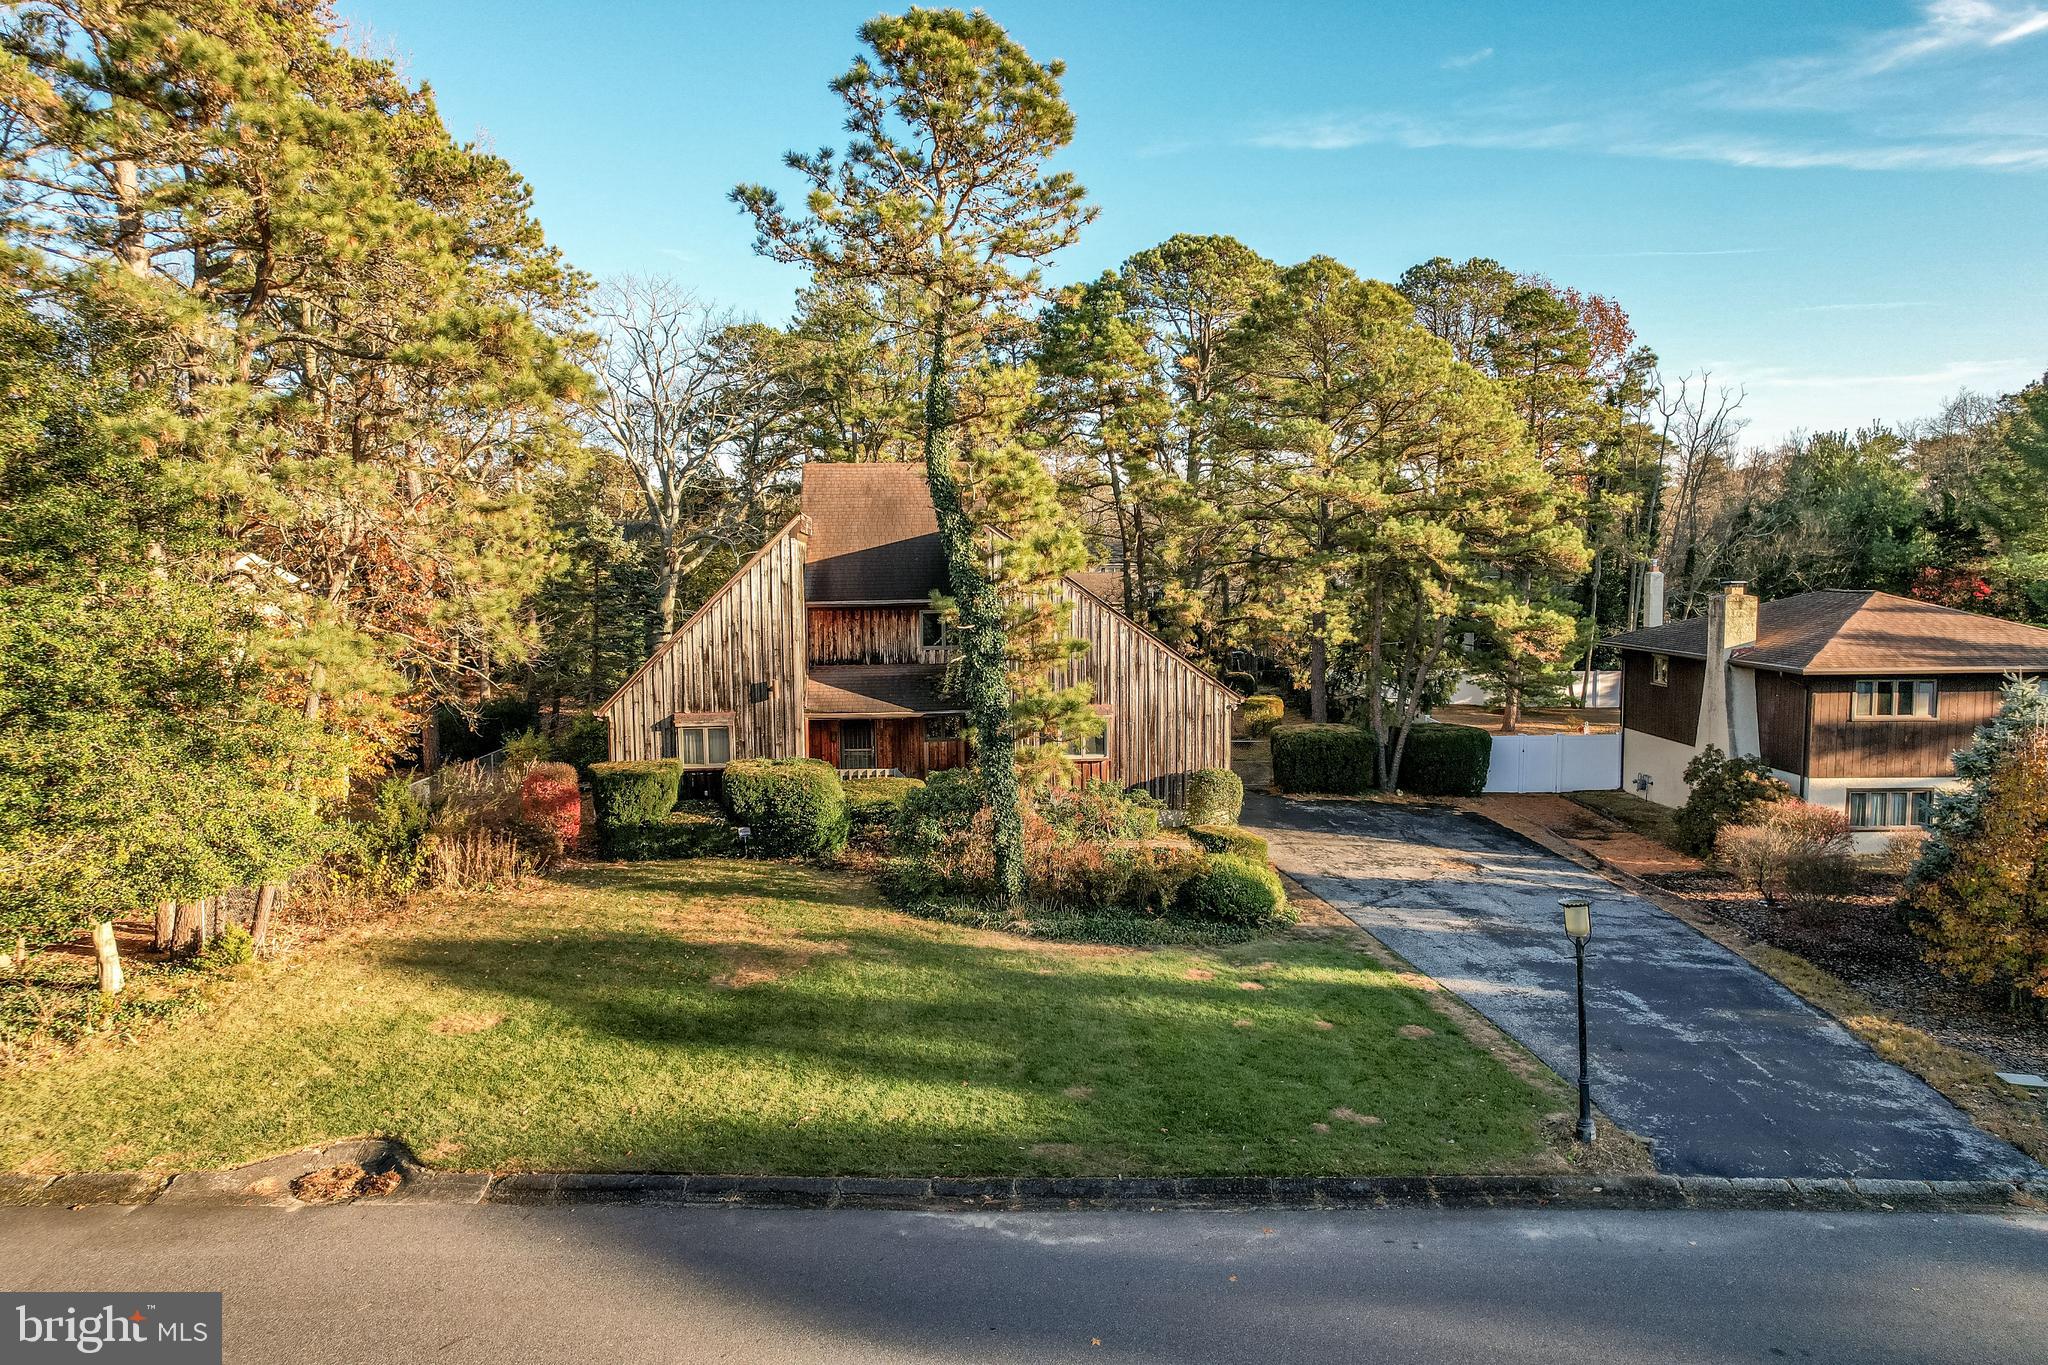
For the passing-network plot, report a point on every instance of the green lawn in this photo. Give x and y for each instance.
(1646, 818)
(749, 1017)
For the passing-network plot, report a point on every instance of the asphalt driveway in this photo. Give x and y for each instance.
(1724, 1071)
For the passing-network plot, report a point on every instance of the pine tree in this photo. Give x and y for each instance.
(942, 202)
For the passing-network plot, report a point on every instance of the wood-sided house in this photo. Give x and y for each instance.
(825, 644)
(1857, 699)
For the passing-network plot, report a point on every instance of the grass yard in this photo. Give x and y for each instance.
(757, 1017)
(1646, 818)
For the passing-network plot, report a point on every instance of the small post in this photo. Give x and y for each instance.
(1578, 925)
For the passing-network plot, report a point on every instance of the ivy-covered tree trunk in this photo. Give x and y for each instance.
(983, 648)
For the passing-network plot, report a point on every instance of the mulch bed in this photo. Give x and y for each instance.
(1861, 938)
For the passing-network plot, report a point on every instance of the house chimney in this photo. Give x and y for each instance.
(1728, 700)
(1653, 595)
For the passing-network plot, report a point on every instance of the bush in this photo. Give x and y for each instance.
(943, 807)
(796, 807)
(694, 829)
(1099, 811)
(1256, 716)
(1236, 891)
(231, 947)
(527, 748)
(1322, 758)
(584, 741)
(1445, 760)
(1215, 796)
(1984, 912)
(627, 794)
(1820, 854)
(877, 800)
(1240, 682)
(477, 858)
(1725, 791)
(1240, 843)
(380, 852)
(552, 803)
(1095, 876)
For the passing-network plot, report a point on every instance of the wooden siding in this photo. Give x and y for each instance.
(1781, 720)
(899, 744)
(868, 635)
(750, 631)
(1669, 712)
(1879, 746)
(1166, 717)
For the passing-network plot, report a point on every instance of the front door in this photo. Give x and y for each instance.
(857, 744)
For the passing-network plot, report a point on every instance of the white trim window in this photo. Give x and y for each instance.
(1660, 670)
(704, 746)
(1906, 809)
(1895, 699)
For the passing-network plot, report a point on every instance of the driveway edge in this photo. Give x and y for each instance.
(222, 1189)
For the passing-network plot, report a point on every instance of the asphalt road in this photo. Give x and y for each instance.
(1721, 1069)
(495, 1284)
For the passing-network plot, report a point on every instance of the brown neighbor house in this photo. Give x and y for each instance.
(1857, 699)
(825, 644)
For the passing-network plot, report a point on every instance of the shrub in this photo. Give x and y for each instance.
(1820, 853)
(527, 748)
(877, 800)
(1099, 811)
(1215, 796)
(694, 829)
(1240, 682)
(552, 803)
(796, 807)
(1322, 758)
(628, 794)
(1241, 843)
(1097, 876)
(380, 851)
(1256, 716)
(231, 947)
(583, 741)
(1445, 760)
(1984, 913)
(477, 859)
(1725, 791)
(1236, 891)
(944, 806)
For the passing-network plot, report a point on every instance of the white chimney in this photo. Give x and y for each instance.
(1728, 701)
(1653, 596)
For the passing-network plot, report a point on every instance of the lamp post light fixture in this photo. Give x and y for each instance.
(1578, 926)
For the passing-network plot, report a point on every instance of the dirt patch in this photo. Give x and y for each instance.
(1344, 1115)
(1251, 986)
(1415, 1031)
(1199, 974)
(750, 964)
(1319, 1127)
(444, 1150)
(1417, 981)
(1324, 1024)
(1240, 1023)
(333, 1184)
(1079, 1092)
(466, 1023)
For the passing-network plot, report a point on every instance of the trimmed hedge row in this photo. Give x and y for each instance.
(1236, 891)
(875, 801)
(1336, 759)
(796, 807)
(1215, 796)
(1241, 843)
(1445, 760)
(1257, 715)
(697, 829)
(628, 795)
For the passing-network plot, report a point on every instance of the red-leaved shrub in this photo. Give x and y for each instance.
(551, 803)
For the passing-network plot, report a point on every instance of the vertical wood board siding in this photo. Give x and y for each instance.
(1877, 746)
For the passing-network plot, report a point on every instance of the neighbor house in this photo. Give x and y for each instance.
(825, 644)
(1857, 699)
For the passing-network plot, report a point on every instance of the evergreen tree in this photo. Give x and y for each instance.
(943, 202)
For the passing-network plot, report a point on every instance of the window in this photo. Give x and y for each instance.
(932, 630)
(1893, 698)
(1094, 746)
(1660, 670)
(1889, 810)
(704, 746)
(938, 729)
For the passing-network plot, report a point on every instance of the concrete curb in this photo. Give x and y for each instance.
(234, 1189)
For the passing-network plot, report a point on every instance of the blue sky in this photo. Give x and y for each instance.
(1840, 206)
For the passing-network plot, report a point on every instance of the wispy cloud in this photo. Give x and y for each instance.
(1465, 59)
(1702, 251)
(1916, 98)
(1887, 306)
(1956, 373)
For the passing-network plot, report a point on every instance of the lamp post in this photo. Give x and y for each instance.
(1578, 925)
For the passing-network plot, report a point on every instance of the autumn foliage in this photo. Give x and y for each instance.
(1985, 915)
(551, 802)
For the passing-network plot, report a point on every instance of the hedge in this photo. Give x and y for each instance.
(1215, 796)
(1322, 758)
(697, 829)
(628, 794)
(1445, 760)
(876, 800)
(795, 807)
(1240, 843)
(1236, 891)
(1256, 716)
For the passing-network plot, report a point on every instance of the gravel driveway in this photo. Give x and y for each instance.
(1723, 1070)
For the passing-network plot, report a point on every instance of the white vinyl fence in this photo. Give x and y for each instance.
(1555, 763)
(1606, 690)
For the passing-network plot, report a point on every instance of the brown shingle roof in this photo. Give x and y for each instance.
(1106, 584)
(874, 536)
(877, 690)
(1865, 632)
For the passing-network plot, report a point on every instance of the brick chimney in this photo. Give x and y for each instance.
(1728, 700)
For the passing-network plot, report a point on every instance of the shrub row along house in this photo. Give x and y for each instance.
(1857, 699)
(825, 644)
